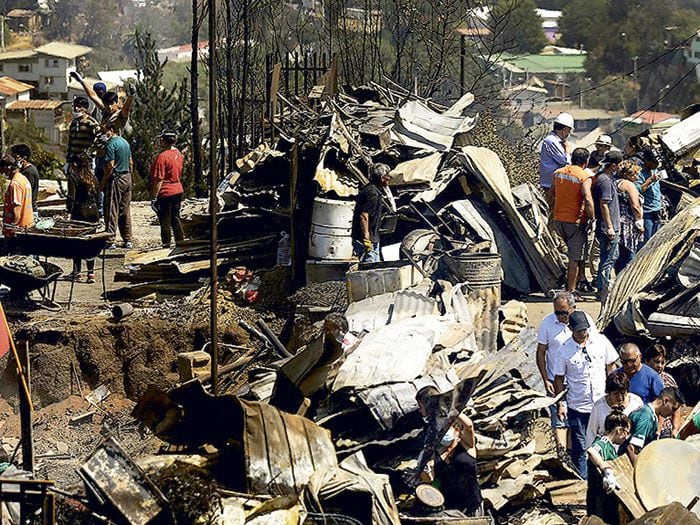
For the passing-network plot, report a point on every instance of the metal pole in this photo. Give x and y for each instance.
(213, 202)
(636, 85)
(25, 410)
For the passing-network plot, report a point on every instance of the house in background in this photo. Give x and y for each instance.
(12, 90)
(182, 53)
(48, 115)
(692, 54)
(47, 67)
(550, 23)
(25, 21)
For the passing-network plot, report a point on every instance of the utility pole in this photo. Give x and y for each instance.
(213, 203)
(637, 87)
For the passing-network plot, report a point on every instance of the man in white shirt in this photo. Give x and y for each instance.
(584, 362)
(554, 332)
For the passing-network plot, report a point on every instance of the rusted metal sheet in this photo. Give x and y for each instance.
(127, 488)
(390, 403)
(667, 247)
(282, 450)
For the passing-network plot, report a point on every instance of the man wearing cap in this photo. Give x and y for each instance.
(607, 211)
(166, 188)
(368, 214)
(584, 362)
(573, 209)
(554, 152)
(650, 189)
(602, 146)
(551, 335)
(100, 88)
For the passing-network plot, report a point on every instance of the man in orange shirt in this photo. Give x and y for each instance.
(573, 210)
(18, 211)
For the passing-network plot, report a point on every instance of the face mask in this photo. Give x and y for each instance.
(426, 419)
(448, 438)
(77, 114)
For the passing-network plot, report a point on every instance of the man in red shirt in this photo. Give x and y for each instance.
(166, 188)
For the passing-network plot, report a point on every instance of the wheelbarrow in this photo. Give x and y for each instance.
(22, 284)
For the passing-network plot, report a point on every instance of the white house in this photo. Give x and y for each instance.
(182, 53)
(46, 67)
(692, 54)
(550, 23)
(11, 90)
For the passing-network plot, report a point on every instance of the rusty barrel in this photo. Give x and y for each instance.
(482, 275)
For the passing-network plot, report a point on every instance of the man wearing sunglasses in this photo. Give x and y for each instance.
(644, 380)
(584, 362)
(552, 334)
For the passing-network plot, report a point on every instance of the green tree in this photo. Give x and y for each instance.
(155, 108)
(44, 158)
(516, 27)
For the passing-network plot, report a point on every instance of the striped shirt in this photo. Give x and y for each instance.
(81, 134)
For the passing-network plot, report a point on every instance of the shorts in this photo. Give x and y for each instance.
(574, 236)
(556, 422)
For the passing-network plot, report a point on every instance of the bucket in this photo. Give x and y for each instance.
(331, 229)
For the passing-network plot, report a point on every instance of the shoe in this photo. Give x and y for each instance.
(74, 276)
(90, 278)
(112, 247)
(128, 245)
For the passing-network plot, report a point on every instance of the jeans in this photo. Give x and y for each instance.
(578, 423)
(366, 257)
(626, 256)
(652, 223)
(609, 251)
(554, 417)
(169, 218)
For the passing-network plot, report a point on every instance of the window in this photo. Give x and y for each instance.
(696, 54)
(0, 67)
(25, 68)
(51, 62)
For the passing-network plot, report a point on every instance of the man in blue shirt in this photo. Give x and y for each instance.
(117, 185)
(553, 153)
(650, 189)
(644, 380)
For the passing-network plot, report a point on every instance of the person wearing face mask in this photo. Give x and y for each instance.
(448, 459)
(18, 198)
(23, 153)
(455, 468)
(617, 396)
(83, 129)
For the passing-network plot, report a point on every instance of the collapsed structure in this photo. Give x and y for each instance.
(304, 433)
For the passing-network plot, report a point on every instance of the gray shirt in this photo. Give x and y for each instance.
(604, 191)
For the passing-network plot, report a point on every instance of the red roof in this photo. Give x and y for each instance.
(186, 48)
(652, 117)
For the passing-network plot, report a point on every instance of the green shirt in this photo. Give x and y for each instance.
(645, 426)
(696, 420)
(118, 150)
(605, 448)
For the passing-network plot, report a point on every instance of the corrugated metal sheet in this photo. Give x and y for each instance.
(63, 50)
(10, 86)
(670, 245)
(393, 354)
(18, 105)
(15, 55)
(689, 272)
(390, 403)
(282, 450)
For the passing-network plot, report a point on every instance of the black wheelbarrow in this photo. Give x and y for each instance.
(21, 284)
